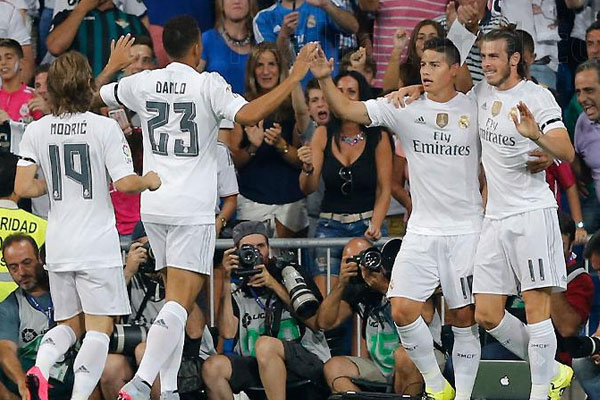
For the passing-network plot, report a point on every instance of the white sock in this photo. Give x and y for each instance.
(465, 358)
(54, 345)
(542, 349)
(512, 334)
(418, 342)
(170, 369)
(89, 364)
(168, 325)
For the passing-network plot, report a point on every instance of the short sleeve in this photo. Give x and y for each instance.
(117, 154)
(548, 114)
(226, 179)
(17, 29)
(59, 19)
(462, 38)
(9, 315)
(381, 113)
(263, 29)
(564, 175)
(579, 131)
(134, 7)
(27, 148)
(123, 93)
(224, 102)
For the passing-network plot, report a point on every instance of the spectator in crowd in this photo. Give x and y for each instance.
(356, 164)
(89, 28)
(227, 47)
(318, 109)
(363, 291)
(39, 103)
(20, 220)
(265, 353)
(26, 315)
(134, 7)
(361, 62)
(400, 74)
(14, 94)
(478, 19)
(391, 15)
(587, 145)
(13, 27)
(265, 155)
(294, 23)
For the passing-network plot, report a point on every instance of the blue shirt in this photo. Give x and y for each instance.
(314, 25)
(220, 58)
(203, 11)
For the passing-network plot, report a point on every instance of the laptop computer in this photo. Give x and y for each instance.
(502, 379)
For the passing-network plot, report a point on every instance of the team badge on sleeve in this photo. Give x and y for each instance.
(463, 122)
(127, 152)
(496, 108)
(441, 120)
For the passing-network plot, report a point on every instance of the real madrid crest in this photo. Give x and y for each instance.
(441, 120)
(496, 108)
(463, 122)
(311, 22)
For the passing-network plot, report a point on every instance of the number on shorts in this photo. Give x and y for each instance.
(83, 175)
(186, 124)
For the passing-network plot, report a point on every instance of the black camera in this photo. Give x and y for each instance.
(582, 346)
(126, 337)
(149, 266)
(249, 257)
(304, 302)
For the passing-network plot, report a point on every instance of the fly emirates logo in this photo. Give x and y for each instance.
(488, 133)
(441, 146)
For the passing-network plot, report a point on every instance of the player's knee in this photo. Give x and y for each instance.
(215, 368)
(487, 318)
(267, 349)
(463, 317)
(404, 311)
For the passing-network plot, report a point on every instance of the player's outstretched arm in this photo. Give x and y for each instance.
(266, 104)
(555, 141)
(135, 184)
(343, 107)
(26, 184)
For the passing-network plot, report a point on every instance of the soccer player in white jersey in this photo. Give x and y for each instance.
(180, 110)
(439, 133)
(79, 152)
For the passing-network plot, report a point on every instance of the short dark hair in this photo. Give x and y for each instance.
(593, 27)
(444, 46)
(179, 35)
(513, 44)
(20, 237)
(8, 171)
(12, 44)
(312, 84)
(592, 246)
(567, 225)
(527, 40)
(589, 65)
(42, 68)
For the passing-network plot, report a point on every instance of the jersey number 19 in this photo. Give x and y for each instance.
(77, 168)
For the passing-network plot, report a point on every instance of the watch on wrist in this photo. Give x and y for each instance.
(223, 221)
(580, 225)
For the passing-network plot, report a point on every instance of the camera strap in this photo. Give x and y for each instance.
(147, 295)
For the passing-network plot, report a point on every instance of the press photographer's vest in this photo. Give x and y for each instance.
(33, 324)
(381, 337)
(252, 324)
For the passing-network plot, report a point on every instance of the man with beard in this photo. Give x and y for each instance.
(26, 314)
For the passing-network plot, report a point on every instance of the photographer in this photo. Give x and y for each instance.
(146, 294)
(273, 345)
(361, 288)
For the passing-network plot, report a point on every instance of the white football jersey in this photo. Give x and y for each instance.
(511, 188)
(79, 155)
(443, 152)
(227, 184)
(180, 110)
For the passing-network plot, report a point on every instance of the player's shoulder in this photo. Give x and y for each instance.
(536, 95)
(463, 100)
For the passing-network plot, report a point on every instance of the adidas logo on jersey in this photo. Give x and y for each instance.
(49, 341)
(161, 322)
(420, 120)
(484, 106)
(82, 369)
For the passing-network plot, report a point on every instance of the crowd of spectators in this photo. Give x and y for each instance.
(301, 172)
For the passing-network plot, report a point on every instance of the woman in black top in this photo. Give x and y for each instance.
(356, 164)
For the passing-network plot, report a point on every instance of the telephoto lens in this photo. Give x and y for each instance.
(304, 302)
(126, 337)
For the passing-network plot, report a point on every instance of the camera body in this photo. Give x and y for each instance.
(249, 257)
(126, 337)
(582, 346)
(304, 302)
(149, 266)
(371, 259)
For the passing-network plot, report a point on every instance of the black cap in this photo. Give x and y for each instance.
(246, 228)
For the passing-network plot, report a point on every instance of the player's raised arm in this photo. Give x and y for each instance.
(344, 108)
(260, 108)
(556, 141)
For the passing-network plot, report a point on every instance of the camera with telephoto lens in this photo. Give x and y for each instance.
(126, 337)
(249, 257)
(304, 302)
(370, 258)
(582, 346)
(149, 266)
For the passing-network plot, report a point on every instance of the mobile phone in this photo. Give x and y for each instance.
(120, 116)
(293, 5)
